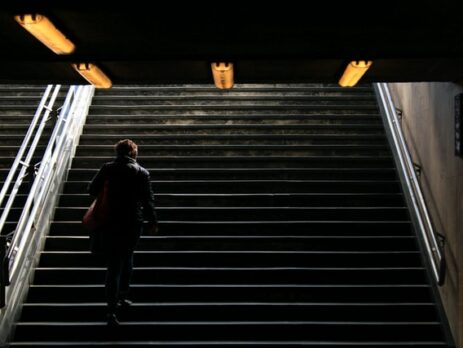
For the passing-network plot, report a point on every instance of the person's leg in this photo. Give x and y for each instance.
(113, 275)
(125, 278)
(127, 265)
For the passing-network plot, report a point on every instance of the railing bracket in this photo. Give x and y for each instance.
(418, 169)
(399, 113)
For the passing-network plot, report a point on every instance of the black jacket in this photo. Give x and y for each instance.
(131, 197)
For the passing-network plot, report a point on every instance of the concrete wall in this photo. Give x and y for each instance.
(428, 124)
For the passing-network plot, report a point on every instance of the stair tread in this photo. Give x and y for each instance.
(212, 286)
(290, 194)
(248, 96)
(275, 106)
(249, 269)
(278, 181)
(219, 323)
(195, 237)
(237, 136)
(150, 147)
(368, 115)
(235, 343)
(264, 169)
(233, 304)
(241, 158)
(270, 252)
(249, 222)
(213, 126)
(159, 207)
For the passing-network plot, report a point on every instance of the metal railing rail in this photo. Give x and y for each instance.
(37, 125)
(432, 240)
(57, 147)
(34, 222)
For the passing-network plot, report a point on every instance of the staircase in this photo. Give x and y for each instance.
(282, 223)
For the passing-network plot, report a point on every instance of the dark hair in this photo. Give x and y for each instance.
(126, 147)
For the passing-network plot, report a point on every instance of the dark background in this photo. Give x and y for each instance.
(148, 41)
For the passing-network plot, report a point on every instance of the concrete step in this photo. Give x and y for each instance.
(229, 108)
(345, 161)
(260, 228)
(233, 100)
(245, 243)
(234, 150)
(262, 186)
(246, 213)
(84, 174)
(235, 344)
(221, 332)
(178, 312)
(262, 118)
(240, 89)
(292, 293)
(251, 258)
(140, 129)
(267, 275)
(256, 200)
(237, 139)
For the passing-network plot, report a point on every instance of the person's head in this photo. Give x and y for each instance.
(126, 147)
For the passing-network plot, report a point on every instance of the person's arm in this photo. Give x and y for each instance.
(149, 210)
(96, 185)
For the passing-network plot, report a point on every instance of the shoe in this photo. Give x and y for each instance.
(124, 303)
(112, 319)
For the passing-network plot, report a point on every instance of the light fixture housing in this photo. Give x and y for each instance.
(44, 30)
(93, 74)
(223, 75)
(354, 72)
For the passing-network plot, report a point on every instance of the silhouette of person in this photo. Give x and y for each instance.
(130, 201)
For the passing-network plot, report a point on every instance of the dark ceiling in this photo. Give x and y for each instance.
(141, 42)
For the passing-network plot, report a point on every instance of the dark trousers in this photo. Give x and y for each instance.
(119, 249)
(118, 275)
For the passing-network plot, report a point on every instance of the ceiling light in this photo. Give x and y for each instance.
(354, 72)
(44, 30)
(223, 75)
(93, 74)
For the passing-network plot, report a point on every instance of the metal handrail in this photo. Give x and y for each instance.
(34, 223)
(25, 163)
(434, 242)
(55, 148)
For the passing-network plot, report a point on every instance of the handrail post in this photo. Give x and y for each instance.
(3, 273)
